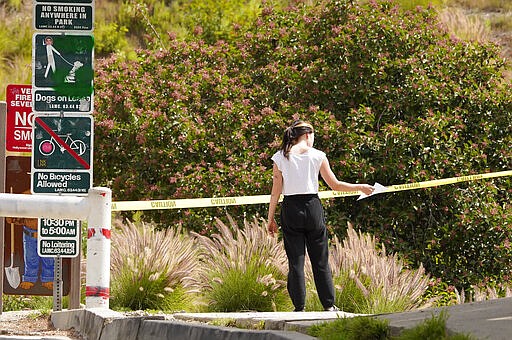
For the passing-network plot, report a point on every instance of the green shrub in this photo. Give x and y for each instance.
(24, 302)
(109, 38)
(439, 293)
(368, 328)
(412, 4)
(433, 328)
(15, 41)
(350, 296)
(394, 98)
(357, 328)
(216, 20)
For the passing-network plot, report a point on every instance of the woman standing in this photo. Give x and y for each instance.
(295, 175)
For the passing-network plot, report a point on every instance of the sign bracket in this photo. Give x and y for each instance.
(57, 284)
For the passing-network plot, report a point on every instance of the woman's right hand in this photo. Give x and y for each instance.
(272, 226)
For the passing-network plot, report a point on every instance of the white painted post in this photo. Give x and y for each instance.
(96, 208)
(97, 280)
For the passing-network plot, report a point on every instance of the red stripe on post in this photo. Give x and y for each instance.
(97, 291)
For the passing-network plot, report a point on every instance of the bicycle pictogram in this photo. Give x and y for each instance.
(48, 146)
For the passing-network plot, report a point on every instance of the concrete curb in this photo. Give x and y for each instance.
(484, 320)
(20, 337)
(179, 330)
(29, 337)
(105, 324)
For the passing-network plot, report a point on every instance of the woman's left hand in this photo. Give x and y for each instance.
(366, 189)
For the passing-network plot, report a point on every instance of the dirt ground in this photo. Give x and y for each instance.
(30, 324)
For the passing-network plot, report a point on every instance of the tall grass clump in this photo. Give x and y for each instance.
(152, 269)
(469, 27)
(369, 281)
(244, 269)
(488, 291)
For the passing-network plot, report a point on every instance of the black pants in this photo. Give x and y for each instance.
(303, 225)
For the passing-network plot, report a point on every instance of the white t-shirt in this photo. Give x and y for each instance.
(300, 171)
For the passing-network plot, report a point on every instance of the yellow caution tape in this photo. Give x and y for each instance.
(189, 203)
(262, 199)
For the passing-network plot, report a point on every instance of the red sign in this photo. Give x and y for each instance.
(18, 134)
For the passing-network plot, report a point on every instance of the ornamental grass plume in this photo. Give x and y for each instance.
(244, 269)
(468, 27)
(152, 269)
(380, 281)
(486, 292)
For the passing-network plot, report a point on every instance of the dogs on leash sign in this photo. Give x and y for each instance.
(63, 63)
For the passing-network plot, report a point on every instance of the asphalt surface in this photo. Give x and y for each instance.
(490, 319)
(487, 320)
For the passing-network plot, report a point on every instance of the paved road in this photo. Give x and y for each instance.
(488, 320)
(485, 320)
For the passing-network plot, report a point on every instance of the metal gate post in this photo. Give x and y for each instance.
(97, 280)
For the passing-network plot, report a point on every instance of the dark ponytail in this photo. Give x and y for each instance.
(292, 133)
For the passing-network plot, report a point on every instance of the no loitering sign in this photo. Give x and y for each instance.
(58, 237)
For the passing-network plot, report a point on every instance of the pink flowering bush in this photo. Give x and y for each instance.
(394, 99)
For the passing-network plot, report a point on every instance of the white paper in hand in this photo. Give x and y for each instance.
(379, 188)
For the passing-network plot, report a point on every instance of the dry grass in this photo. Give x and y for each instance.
(232, 247)
(488, 293)
(382, 278)
(465, 26)
(145, 250)
(243, 268)
(484, 5)
(482, 21)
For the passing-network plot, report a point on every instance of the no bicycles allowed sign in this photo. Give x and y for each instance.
(62, 155)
